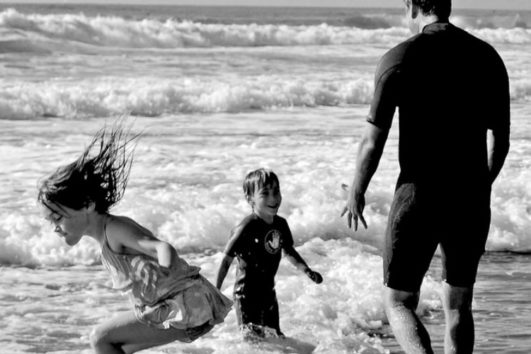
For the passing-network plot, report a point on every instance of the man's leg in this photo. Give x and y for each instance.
(461, 250)
(410, 333)
(457, 303)
(410, 242)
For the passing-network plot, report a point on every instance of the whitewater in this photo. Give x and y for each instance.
(216, 92)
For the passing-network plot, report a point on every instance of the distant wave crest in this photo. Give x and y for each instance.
(109, 31)
(150, 33)
(109, 97)
(147, 97)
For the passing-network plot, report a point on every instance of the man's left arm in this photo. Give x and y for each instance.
(498, 150)
(499, 120)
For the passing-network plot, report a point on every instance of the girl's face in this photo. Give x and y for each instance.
(71, 224)
(266, 201)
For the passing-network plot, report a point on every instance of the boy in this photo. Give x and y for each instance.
(256, 243)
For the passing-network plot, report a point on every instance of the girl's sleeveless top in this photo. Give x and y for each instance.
(144, 279)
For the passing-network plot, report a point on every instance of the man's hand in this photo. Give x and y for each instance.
(314, 276)
(354, 209)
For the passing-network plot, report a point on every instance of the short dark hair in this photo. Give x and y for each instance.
(439, 8)
(258, 179)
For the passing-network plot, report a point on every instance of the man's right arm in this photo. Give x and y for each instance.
(369, 153)
(370, 149)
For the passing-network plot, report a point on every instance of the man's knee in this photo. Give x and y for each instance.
(457, 303)
(397, 298)
(457, 298)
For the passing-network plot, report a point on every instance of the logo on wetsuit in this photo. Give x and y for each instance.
(272, 241)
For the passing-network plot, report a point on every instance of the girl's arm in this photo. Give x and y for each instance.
(295, 258)
(127, 234)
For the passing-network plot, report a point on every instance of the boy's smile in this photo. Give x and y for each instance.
(274, 206)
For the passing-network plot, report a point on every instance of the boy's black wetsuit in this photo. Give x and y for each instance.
(257, 246)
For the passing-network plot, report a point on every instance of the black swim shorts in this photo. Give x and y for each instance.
(419, 221)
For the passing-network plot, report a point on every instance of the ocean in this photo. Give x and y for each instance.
(216, 92)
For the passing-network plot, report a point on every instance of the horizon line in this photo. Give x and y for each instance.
(166, 3)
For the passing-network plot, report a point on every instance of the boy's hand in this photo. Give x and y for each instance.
(314, 276)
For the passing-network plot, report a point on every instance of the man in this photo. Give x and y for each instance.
(452, 93)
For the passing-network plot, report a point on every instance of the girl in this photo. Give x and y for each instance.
(172, 301)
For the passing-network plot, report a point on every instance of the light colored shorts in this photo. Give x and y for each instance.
(192, 309)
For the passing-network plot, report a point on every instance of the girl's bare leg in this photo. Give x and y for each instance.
(125, 334)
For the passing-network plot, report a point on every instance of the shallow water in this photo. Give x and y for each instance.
(501, 308)
(52, 310)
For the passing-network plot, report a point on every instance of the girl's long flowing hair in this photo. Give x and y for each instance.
(98, 176)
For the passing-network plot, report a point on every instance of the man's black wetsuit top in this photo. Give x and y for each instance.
(450, 87)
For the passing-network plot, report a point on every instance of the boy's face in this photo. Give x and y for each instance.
(68, 223)
(266, 201)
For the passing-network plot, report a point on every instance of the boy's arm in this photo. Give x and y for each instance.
(228, 254)
(223, 269)
(295, 258)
